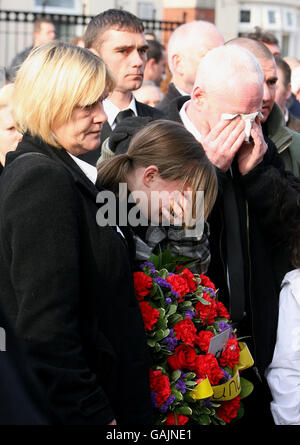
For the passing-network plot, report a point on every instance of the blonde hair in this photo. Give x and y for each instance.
(175, 152)
(53, 80)
(6, 94)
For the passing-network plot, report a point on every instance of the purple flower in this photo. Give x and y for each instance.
(153, 397)
(170, 341)
(210, 291)
(226, 377)
(223, 326)
(168, 300)
(162, 282)
(175, 294)
(206, 403)
(147, 264)
(180, 385)
(190, 314)
(168, 402)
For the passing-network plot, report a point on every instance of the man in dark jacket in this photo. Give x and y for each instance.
(245, 217)
(187, 45)
(117, 36)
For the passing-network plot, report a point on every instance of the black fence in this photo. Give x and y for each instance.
(16, 30)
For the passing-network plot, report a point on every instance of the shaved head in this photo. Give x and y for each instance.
(268, 65)
(254, 46)
(224, 67)
(187, 45)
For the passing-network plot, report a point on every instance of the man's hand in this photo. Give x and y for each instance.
(252, 153)
(222, 142)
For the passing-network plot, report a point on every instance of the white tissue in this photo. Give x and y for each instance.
(248, 118)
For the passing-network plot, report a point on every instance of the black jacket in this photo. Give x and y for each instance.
(66, 284)
(142, 110)
(22, 400)
(263, 244)
(170, 95)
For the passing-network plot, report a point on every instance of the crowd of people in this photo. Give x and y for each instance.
(81, 118)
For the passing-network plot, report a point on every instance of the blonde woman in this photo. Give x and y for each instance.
(165, 164)
(66, 283)
(9, 135)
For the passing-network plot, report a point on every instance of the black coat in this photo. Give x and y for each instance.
(22, 400)
(66, 284)
(171, 94)
(263, 244)
(142, 110)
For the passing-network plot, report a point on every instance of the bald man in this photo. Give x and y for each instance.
(274, 127)
(224, 108)
(187, 45)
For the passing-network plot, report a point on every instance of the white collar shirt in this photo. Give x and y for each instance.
(111, 110)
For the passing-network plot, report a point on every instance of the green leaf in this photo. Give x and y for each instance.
(151, 342)
(203, 301)
(184, 411)
(173, 319)
(247, 388)
(204, 419)
(175, 375)
(172, 310)
(190, 375)
(177, 394)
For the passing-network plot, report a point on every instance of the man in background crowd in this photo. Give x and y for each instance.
(156, 62)
(187, 45)
(283, 93)
(117, 36)
(43, 32)
(267, 38)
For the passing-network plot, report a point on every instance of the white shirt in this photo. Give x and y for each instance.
(111, 110)
(89, 170)
(283, 374)
(188, 123)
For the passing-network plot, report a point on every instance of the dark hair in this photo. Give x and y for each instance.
(263, 36)
(37, 24)
(285, 69)
(155, 50)
(175, 152)
(112, 18)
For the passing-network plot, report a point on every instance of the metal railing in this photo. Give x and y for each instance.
(16, 30)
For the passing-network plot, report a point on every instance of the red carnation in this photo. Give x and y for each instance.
(150, 315)
(205, 281)
(160, 384)
(184, 357)
(190, 279)
(231, 354)
(207, 366)
(222, 311)
(203, 340)
(142, 285)
(181, 420)
(179, 285)
(207, 312)
(228, 409)
(186, 331)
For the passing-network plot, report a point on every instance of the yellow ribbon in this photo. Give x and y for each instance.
(202, 391)
(230, 389)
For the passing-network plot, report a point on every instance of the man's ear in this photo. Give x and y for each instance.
(177, 63)
(198, 96)
(149, 175)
